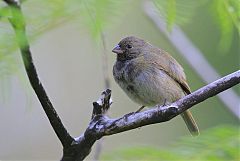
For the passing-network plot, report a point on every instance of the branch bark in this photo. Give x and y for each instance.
(76, 149)
(18, 23)
(192, 55)
(101, 125)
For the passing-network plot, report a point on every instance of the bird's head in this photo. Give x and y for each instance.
(129, 48)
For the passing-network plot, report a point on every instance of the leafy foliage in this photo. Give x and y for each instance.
(97, 16)
(177, 11)
(226, 13)
(220, 143)
(227, 16)
(43, 16)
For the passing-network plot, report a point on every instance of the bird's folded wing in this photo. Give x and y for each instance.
(168, 64)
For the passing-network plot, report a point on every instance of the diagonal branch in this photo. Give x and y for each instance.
(163, 113)
(192, 55)
(18, 24)
(102, 125)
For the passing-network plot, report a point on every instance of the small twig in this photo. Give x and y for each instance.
(101, 107)
(103, 104)
(99, 144)
(105, 62)
(18, 24)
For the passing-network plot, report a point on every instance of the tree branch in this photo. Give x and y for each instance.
(192, 55)
(106, 78)
(18, 24)
(101, 125)
(106, 126)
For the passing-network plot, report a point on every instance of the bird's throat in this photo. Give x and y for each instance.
(121, 57)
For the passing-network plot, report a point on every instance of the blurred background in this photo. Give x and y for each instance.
(71, 42)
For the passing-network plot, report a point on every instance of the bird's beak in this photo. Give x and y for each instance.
(117, 50)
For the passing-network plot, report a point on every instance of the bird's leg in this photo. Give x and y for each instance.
(164, 104)
(140, 109)
(133, 112)
(165, 101)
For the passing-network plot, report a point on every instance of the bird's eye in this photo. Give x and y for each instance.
(129, 46)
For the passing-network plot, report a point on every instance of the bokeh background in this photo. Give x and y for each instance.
(67, 45)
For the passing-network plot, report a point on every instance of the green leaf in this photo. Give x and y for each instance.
(178, 12)
(220, 144)
(43, 16)
(226, 14)
(5, 12)
(99, 15)
(171, 13)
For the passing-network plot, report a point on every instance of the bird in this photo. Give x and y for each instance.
(151, 76)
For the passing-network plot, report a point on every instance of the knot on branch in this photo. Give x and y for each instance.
(102, 105)
(96, 127)
(171, 112)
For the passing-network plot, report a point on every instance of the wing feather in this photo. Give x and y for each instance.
(168, 64)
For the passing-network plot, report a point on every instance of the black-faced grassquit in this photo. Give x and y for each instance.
(150, 76)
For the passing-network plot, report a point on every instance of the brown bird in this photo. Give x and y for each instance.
(150, 76)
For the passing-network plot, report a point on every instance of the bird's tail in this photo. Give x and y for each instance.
(190, 122)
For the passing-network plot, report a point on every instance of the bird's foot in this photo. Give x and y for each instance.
(140, 109)
(165, 101)
(133, 113)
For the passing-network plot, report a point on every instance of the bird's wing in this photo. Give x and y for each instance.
(168, 64)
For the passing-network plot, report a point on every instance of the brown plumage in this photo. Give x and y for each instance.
(150, 76)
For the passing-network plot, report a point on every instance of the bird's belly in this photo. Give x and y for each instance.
(151, 88)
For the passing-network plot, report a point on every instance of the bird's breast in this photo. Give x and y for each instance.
(131, 78)
(146, 85)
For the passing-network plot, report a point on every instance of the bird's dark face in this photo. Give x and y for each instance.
(129, 48)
